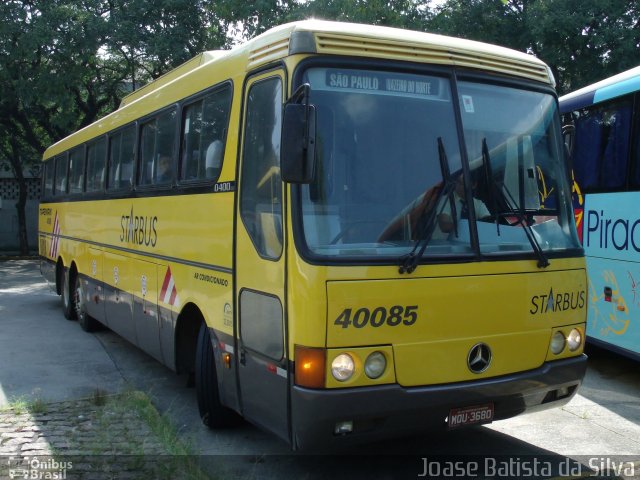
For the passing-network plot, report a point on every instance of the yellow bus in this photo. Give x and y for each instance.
(289, 222)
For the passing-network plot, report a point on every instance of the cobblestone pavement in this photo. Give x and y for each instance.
(82, 439)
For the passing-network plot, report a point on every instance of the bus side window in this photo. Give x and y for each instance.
(191, 134)
(636, 161)
(156, 150)
(601, 146)
(147, 153)
(49, 173)
(568, 136)
(204, 128)
(96, 166)
(215, 116)
(62, 167)
(76, 170)
(120, 163)
(127, 157)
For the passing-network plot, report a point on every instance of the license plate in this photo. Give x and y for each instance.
(461, 417)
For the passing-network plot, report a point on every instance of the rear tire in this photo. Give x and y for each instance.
(67, 297)
(86, 321)
(213, 414)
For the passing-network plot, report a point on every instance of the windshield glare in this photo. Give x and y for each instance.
(382, 183)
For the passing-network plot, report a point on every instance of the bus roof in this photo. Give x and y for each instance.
(612, 87)
(310, 37)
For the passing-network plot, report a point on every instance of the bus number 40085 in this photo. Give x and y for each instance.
(379, 316)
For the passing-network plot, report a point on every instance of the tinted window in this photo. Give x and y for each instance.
(261, 191)
(121, 149)
(601, 146)
(156, 150)
(96, 166)
(61, 174)
(49, 172)
(76, 170)
(204, 129)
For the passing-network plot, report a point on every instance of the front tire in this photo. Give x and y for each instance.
(213, 414)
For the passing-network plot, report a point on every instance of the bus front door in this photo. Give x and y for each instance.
(259, 260)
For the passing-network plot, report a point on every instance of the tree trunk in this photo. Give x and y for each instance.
(21, 204)
(22, 216)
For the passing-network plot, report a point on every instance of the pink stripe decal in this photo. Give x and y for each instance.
(165, 284)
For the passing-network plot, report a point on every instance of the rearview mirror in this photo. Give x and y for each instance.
(298, 153)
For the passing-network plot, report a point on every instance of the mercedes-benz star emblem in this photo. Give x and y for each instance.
(479, 358)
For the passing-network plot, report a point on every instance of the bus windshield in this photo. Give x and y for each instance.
(389, 173)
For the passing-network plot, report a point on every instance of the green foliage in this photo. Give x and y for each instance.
(492, 21)
(65, 63)
(408, 14)
(582, 40)
(586, 40)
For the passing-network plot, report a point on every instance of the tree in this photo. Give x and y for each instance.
(150, 38)
(409, 14)
(65, 63)
(242, 20)
(492, 21)
(585, 40)
(582, 40)
(49, 80)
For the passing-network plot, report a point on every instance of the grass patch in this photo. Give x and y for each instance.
(171, 456)
(111, 436)
(99, 398)
(22, 405)
(37, 406)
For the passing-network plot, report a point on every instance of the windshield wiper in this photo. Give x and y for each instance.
(409, 262)
(508, 200)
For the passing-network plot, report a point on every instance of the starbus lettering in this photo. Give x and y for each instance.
(619, 233)
(139, 230)
(557, 302)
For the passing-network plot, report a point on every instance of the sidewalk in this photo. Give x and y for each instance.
(121, 436)
(32, 364)
(65, 409)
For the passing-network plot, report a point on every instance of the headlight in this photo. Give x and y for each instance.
(375, 365)
(557, 342)
(342, 367)
(574, 339)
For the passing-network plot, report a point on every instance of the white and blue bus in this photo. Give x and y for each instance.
(602, 129)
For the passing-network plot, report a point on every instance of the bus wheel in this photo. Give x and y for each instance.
(68, 298)
(86, 321)
(212, 412)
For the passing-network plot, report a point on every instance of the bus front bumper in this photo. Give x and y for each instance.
(389, 411)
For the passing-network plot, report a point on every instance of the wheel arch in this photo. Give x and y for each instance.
(186, 337)
(59, 274)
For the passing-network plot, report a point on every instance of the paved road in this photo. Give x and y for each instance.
(42, 355)
(46, 356)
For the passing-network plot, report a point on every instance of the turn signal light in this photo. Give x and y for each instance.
(310, 366)
(226, 360)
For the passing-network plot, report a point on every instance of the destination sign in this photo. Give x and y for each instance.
(382, 82)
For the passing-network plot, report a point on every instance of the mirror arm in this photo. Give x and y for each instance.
(301, 95)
